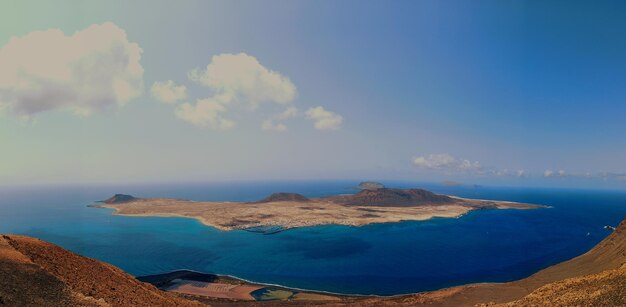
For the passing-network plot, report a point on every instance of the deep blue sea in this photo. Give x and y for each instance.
(384, 259)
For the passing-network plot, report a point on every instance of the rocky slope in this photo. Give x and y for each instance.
(37, 273)
(603, 289)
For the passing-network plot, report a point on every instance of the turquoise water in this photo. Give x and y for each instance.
(384, 259)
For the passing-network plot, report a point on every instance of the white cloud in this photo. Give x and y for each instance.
(445, 161)
(245, 80)
(548, 173)
(269, 125)
(562, 173)
(86, 72)
(239, 80)
(168, 91)
(236, 80)
(442, 160)
(206, 113)
(324, 120)
(521, 173)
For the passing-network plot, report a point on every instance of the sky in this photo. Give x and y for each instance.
(523, 93)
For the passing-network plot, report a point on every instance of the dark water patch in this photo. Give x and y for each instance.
(266, 230)
(163, 281)
(324, 248)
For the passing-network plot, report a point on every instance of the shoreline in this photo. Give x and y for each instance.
(346, 295)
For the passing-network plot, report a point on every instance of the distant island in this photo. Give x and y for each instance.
(370, 185)
(281, 211)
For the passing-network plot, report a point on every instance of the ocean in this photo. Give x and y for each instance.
(381, 259)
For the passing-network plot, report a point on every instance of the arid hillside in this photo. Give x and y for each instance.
(37, 273)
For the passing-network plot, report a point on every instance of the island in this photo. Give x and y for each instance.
(370, 185)
(281, 211)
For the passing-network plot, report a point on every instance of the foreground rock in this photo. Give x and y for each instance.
(37, 273)
(282, 211)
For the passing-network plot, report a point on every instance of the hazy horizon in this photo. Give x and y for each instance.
(489, 92)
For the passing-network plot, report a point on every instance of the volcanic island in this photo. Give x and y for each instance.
(282, 211)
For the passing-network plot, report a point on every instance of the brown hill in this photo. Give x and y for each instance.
(284, 197)
(394, 198)
(37, 273)
(603, 289)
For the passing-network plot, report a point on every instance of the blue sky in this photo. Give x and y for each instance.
(491, 92)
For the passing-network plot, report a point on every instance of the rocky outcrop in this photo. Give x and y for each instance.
(119, 199)
(395, 198)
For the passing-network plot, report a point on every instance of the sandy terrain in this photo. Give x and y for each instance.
(292, 214)
(218, 290)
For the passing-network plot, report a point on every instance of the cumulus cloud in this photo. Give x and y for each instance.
(242, 78)
(445, 161)
(168, 91)
(85, 72)
(206, 113)
(237, 80)
(548, 173)
(324, 120)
